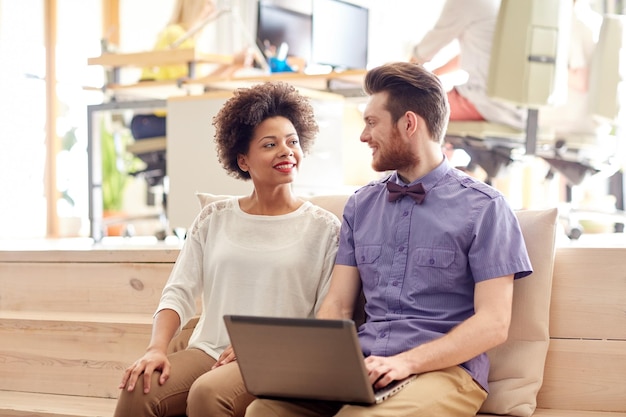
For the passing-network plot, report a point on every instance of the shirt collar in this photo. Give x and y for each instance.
(429, 180)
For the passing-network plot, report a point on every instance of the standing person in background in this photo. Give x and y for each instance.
(472, 24)
(269, 253)
(185, 16)
(573, 116)
(435, 253)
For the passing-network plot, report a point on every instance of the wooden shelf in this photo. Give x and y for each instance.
(158, 58)
(227, 76)
(349, 78)
(349, 82)
(140, 146)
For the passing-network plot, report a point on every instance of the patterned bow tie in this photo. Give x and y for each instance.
(416, 192)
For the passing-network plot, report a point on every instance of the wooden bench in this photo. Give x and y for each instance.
(71, 319)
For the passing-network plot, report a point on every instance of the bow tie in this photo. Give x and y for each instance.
(416, 192)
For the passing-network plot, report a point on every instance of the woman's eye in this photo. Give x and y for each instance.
(269, 145)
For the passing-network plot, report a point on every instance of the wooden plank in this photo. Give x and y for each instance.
(111, 21)
(79, 357)
(140, 146)
(26, 404)
(82, 287)
(112, 250)
(313, 82)
(588, 294)
(52, 139)
(585, 375)
(158, 58)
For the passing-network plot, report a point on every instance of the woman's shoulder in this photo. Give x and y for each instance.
(321, 214)
(211, 209)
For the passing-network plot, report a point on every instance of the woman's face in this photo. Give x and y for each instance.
(274, 154)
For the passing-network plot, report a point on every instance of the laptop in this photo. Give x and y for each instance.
(307, 359)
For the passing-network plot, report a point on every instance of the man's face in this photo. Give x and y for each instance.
(391, 149)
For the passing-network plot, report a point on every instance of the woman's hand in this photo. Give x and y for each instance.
(228, 355)
(153, 360)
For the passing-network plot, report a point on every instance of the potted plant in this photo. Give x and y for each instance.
(117, 166)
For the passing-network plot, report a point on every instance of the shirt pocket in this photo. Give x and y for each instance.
(367, 263)
(433, 257)
(432, 268)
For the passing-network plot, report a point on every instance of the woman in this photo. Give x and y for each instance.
(268, 253)
(186, 15)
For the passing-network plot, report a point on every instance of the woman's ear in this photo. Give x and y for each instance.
(241, 161)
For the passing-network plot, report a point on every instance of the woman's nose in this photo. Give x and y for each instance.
(286, 150)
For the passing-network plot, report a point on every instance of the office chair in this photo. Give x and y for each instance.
(527, 67)
(578, 155)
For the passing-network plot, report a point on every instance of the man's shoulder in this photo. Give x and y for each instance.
(471, 183)
(373, 186)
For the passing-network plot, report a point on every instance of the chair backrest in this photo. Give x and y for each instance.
(607, 76)
(528, 63)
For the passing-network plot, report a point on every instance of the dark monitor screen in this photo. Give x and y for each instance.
(340, 34)
(278, 24)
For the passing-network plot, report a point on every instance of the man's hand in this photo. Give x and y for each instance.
(153, 360)
(382, 371)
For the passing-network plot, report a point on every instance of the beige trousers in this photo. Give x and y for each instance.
(447, 393)
(193, 389)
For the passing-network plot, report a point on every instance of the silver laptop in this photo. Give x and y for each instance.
(308, 359)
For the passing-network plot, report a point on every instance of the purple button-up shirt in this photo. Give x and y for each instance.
(419, 263)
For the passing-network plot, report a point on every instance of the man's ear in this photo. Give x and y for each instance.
(411, 123)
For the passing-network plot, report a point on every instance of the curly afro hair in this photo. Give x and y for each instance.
(249, 107)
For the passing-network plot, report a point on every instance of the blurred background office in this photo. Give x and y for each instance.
(47, 85)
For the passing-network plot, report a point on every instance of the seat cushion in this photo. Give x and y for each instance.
(516, 372)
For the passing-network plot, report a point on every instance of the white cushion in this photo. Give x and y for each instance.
(517, 366)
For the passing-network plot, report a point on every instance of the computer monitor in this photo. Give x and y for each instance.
(277, 24)
(340, 34)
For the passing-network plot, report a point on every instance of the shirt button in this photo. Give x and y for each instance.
(383, 335)
(395, 283)
(401, 248)
(362, 258)
(431, 261)
(406, 213)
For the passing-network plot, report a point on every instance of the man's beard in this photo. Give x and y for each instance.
(394, 155)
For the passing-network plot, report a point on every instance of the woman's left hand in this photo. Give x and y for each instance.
(228, 355)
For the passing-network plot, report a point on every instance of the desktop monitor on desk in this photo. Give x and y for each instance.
(340, 34)
(332, 33)
(277, 24)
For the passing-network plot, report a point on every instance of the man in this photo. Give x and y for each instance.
(436, 262)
